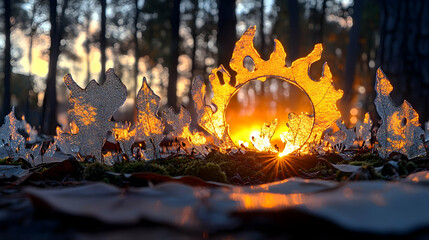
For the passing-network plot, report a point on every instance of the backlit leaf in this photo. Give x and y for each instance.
(400, 130)
(149, 124)
(91, 111)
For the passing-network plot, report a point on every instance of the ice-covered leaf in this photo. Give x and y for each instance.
(10, 137)
(125, 136)
(400, 130)
(321, 92)
(180, 123)
(91, 111)
(31, 154)
(349, 133)
(298, 131)
(30, 131)
(335, 139)
(212, 118)
(341, 139)
(149, 123)
(51, 150)
(62, 141)
(261, 141)
(364, 130)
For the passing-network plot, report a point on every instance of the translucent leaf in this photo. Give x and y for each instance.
(149, 124)
(62, 141)
(364, 130)
(261, 141)
(91, 111)
(9, 135)
(400, 130)
(212, 121)
(341, 139)
(298, 130)
(31, 131)
(349, 133)
(51, 150)
(322, 93)
(125, 137)
(335, 139)
(180, 123)
(32, 153)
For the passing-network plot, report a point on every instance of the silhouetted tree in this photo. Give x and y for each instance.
(103, 41)
(262, 31)
(49, 109)
(353, 51)
(227, 34)
(404, 50)
(174, 55)
(295, 33)
(7, 68)
(136, 45)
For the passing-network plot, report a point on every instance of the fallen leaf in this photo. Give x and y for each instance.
(364, 130)
(400, 130)
(8, 171)
(91, 111)
(180, 123)
(149, 123)
(261, 141)
(10, 137)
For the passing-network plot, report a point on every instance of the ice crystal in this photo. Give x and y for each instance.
(400, 130)
(149, 123)
(91, 111)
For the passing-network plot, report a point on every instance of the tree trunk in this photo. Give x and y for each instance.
(404, 50)
(136, 48)
(262, 31)
(136, 55)
(226, 38)
(227, 34)
(103, 42)
(87, 45)
(174, 55)
(322, 21)
(49, 109)
(7, 68)
(194, 36)
(351, 59)
(295, 33)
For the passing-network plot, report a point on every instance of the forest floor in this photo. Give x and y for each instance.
(23, 215)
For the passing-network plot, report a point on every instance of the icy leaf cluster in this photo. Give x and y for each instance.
(92, 110)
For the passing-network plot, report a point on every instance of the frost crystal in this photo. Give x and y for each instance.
(349, 133)
(322, 93)
(400, 130)
(9, 136)
(261, 141)
(180, 123)
(92, 109)
(126, 138)
(149, 124)
(364, 131)
(341, 139)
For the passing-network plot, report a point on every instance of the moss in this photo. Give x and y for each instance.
(4, 161)
(176, 166)
(144, 167)
(247, 167)
(95, 171)
(206, 170)
(10, 161)
(367, 158)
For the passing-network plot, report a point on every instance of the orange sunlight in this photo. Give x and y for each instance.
(245, 120)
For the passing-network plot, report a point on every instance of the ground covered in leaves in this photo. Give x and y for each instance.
(18, 217)
(250, 168)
